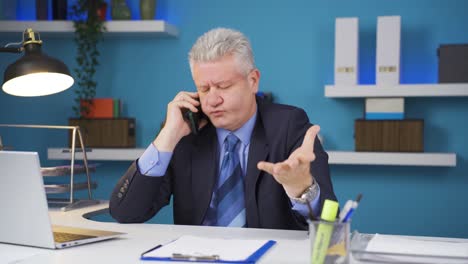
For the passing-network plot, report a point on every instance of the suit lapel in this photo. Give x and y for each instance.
(204, 168)
(258, 151)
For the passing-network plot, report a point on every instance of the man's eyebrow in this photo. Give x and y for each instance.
(214, 83)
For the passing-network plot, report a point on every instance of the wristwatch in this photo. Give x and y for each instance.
(308, 195)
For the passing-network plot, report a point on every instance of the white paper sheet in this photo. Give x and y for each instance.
(226, 249)
(418, 247)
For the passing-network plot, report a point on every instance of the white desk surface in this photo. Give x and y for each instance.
(291, 247)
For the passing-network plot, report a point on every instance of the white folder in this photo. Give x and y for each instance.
(346, 51)
(388, 50)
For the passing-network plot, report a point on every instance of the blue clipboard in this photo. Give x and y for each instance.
(254, 257)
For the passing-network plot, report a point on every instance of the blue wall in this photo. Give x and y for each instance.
(294, 46)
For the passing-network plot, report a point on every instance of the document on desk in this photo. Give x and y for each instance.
(418, 250)
(192, 248)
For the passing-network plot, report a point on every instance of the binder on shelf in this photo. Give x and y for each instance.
(346, 51)
(384, 109)
(192, 248)
(388, 50)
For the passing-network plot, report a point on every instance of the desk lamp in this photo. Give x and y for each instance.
(36, 74)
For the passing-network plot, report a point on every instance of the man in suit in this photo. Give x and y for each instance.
(252, 163)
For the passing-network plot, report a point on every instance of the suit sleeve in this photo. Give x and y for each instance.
(137, 198)
(319, 169)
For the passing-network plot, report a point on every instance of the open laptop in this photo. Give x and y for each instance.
(24, 216)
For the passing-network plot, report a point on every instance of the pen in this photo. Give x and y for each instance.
(149, 250)
(186, 257)
(345, 210)
(350, 212)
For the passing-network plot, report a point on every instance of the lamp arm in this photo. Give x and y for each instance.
(11, 50)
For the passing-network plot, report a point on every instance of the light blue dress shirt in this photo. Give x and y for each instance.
(155, 163)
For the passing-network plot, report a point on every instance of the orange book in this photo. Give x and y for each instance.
(99, 108)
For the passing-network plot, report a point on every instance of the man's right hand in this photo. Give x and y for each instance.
(175, 126)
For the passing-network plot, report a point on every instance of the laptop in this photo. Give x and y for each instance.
(24, 212)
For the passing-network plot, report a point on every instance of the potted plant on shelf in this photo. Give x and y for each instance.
(88, 20)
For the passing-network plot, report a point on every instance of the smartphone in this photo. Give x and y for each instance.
(193, 119)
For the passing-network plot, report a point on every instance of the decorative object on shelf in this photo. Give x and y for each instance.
(34, 74)
(389, 135)
(102, 11)
(42, 9)
(147, 9)
(120, 10)
(89, 28)
(106, 132)
(453, 63)
(59, 9)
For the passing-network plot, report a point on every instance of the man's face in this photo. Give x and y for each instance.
(227, 96)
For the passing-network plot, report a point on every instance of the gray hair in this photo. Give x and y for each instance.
(219, 42)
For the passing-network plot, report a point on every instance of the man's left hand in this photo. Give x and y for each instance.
(294, 173)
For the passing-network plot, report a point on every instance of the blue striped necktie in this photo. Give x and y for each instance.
(230, 192)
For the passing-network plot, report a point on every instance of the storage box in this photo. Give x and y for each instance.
(384, 109)
(388, 50)
(389, 135)
(346, 51)
(105, 133)
(453, 63)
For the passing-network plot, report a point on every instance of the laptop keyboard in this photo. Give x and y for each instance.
(67, 237)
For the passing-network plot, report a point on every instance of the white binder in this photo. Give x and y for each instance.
(346, 51)
(388, 50)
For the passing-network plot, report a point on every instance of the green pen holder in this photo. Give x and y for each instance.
(329, 242)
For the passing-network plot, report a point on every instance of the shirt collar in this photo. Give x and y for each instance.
(243, 133)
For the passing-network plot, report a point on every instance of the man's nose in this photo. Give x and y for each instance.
(213, 98)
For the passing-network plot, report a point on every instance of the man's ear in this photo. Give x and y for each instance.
(254, 79)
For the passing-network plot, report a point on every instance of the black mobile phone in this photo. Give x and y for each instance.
(193, 119)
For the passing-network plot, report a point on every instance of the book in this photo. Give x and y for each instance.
(98, 108)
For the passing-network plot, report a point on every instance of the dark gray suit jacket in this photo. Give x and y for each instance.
(192, 173)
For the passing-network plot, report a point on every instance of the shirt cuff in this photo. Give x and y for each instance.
(154, 162)
(303, 209)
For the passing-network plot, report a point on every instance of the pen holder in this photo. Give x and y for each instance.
(329, 242)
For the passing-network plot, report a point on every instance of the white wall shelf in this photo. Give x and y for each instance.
(127, 27)
(402, 90)
(110, 154)
(392, 158)
(335, 157)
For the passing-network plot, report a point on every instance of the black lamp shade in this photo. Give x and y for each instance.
(36, 74)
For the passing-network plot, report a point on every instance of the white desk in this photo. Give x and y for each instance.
(291, 247)
(141, 237)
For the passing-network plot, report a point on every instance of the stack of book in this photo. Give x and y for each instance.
(101, 108)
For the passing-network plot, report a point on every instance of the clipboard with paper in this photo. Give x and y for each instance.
(218, 250)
